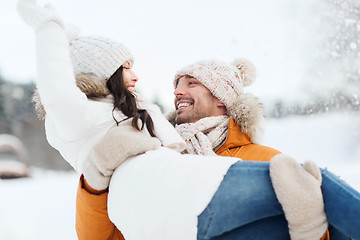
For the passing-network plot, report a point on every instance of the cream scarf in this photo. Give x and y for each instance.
(205, 135)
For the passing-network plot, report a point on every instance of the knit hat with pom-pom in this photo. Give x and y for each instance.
(226, 82)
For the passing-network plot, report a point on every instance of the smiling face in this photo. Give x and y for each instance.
(193, 101)
(129, 76)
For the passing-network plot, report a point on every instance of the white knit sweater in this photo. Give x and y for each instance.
(73, 123)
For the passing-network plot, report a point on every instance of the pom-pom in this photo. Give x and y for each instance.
(247, 70)
(72, 32)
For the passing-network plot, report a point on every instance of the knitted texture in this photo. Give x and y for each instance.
(98, 56)
(226, 82)
(204, 136)
(223, 80)
(109, 153)
(298, 189)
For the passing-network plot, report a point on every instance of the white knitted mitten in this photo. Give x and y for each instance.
(112, 150)
(35, 15)
(298, 189)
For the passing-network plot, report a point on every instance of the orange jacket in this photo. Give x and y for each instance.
(238, 144)
(92, 220)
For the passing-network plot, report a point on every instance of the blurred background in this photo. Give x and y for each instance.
(307, 55)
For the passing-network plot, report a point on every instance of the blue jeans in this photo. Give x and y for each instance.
(245, 207)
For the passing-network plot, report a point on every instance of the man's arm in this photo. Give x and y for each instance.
(92, 220)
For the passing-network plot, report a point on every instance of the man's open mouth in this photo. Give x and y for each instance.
(183, 105)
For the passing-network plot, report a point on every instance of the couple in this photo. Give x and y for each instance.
(94, 118)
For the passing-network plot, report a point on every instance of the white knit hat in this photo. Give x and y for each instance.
(97, 55)
(94, 60)
(226, 82)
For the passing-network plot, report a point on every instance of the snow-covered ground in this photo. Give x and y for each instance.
(332, 140)
(43, 206)
(39, 207)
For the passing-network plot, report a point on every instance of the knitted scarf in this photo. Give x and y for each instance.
(204, 136)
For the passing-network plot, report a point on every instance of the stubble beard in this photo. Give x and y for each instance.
(190, 117)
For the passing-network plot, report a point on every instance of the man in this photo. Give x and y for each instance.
(213, 115)
(215, 89)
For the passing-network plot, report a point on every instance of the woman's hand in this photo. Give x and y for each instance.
(298, 189)
(35, 15)
(112, 150)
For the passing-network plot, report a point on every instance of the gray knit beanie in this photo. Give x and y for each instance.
(226, 82)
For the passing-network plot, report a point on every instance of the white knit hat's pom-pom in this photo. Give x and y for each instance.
(247, 70)
(72, 32)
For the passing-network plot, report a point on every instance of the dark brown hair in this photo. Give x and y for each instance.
(125, 101)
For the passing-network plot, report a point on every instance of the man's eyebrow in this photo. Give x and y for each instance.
(186, 77)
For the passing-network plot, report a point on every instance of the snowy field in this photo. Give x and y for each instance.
(331, 140)
(43, 206)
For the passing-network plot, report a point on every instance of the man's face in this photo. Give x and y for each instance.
(193, 101)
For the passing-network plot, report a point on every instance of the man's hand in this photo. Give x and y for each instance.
(35, 15)
(112, 150)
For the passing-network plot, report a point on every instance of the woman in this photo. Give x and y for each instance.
(80, 109)
(77, 122)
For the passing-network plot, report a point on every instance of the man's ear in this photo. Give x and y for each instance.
(219, 103)
(221, 109)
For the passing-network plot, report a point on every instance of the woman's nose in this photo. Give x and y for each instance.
(135, 77)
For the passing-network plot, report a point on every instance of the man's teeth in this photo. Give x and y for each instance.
(181, 105)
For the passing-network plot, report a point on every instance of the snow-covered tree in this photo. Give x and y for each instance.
(333, 81)
(336, 70)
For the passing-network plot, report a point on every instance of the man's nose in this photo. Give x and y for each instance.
(179, 91)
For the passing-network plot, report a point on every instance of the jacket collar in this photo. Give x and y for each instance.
(235, 137)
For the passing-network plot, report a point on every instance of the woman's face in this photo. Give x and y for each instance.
(129, 76)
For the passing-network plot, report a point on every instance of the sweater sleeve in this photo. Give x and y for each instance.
(56, 83)
(92, 220)
(163, 129)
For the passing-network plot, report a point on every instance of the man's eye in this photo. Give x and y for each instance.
(191, 83)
